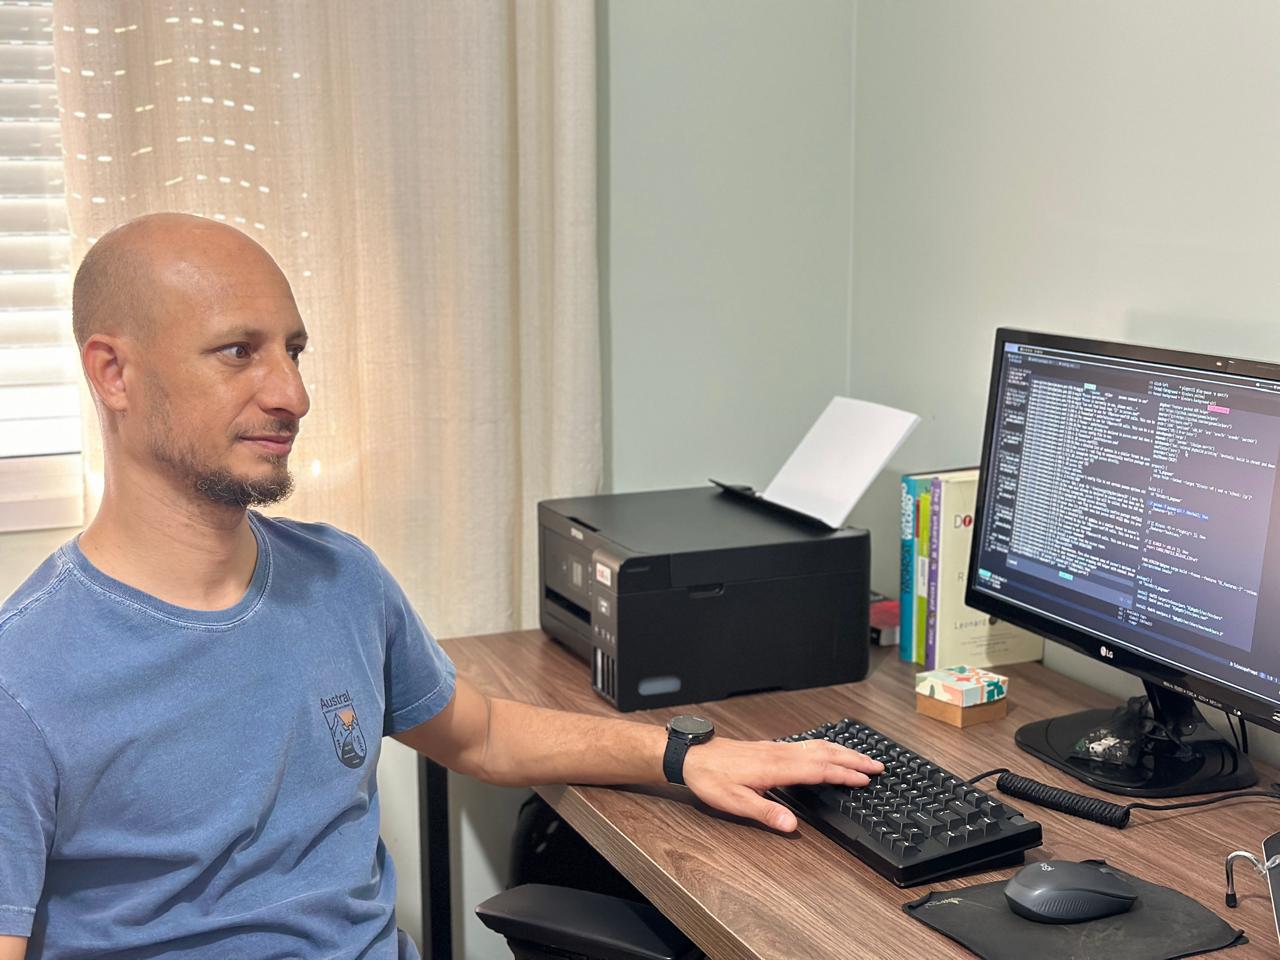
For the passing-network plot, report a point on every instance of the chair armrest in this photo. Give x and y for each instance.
(579, 921)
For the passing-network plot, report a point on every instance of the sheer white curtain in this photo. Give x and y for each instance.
(424, 172)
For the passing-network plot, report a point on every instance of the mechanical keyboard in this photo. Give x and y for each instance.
(915, 822)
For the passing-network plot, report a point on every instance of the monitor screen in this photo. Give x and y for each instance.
(1127, 507)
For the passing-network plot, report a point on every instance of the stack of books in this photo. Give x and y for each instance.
(936, 629)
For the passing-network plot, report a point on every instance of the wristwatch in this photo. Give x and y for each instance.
(682, 733)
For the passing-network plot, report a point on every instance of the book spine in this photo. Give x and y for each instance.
(906, 586)
(920, 611)
(935, 539)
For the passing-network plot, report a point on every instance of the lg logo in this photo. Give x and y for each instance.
(1105, 651)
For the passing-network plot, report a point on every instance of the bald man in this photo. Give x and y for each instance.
(193, 695)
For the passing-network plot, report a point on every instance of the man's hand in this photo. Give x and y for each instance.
(731, 775)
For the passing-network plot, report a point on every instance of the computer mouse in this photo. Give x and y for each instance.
(1061, 891)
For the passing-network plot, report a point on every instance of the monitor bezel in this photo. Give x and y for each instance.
(1212, 692)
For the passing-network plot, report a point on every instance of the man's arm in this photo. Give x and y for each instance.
(515, 744)
(12, 948)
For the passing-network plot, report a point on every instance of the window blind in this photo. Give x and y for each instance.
(40, 472)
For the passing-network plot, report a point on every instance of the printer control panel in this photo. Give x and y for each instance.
(604, 601)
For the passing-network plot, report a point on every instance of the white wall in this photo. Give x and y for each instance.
(1106, 169)
(726, 163)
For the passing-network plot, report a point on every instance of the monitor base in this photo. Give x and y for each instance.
(1174, 752)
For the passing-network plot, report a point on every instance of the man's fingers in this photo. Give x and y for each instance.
(744, 802)
(729, 771)
(822, 762)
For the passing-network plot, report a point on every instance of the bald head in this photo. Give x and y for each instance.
(190, 340)
(133, 278)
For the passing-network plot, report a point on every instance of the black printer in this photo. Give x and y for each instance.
(677, 596)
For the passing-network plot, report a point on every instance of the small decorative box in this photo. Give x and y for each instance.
(963, 686)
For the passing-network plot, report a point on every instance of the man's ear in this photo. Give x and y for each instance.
(103, 357)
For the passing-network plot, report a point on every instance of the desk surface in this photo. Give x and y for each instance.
(744, 892)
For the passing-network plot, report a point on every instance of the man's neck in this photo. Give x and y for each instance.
(174, 546)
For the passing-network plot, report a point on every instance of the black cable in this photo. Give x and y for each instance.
(1232, 726)
(1095, 808)
(1244, 737)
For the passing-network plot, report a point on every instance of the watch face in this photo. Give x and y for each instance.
(690, 726)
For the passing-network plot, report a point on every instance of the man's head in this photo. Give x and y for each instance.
(190, 337)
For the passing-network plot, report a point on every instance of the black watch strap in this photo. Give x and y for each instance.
(673, 759)
(683, 732)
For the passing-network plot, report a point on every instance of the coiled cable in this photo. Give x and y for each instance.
(1094, 808)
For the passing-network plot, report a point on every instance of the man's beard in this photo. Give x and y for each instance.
(217, 484)
(226, 489)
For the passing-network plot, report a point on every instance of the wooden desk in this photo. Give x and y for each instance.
(741, 891)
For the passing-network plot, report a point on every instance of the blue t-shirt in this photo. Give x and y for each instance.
(180, 783)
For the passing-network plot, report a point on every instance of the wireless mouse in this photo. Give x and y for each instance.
(1061, 891)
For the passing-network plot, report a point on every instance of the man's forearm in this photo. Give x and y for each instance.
(527, 745)
(515, 744)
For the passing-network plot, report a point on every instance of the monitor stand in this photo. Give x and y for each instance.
(1164, 746)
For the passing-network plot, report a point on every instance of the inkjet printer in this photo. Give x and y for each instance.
(678, 596)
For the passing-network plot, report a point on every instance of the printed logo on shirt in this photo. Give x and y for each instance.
(344, 727)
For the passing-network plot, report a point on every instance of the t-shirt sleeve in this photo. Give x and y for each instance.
(419, 676)
(28, 798)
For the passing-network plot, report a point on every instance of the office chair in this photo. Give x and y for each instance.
(566, 902)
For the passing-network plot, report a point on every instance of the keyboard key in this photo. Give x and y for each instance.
(899, 821)
(950, 819)
(993, 809)
(954, 838)
(987, 827)
(970, 814)
(902, 847)
(930, 825)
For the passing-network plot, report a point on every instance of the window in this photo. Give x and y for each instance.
(40, 464)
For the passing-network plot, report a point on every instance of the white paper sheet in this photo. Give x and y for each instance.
(839, 457)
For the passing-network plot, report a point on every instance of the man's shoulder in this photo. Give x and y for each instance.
(39, 591)
(316, 540)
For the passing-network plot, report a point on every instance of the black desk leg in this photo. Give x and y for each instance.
(433, 830)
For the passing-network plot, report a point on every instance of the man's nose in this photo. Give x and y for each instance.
(282, 392)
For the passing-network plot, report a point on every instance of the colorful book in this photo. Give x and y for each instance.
(906, 561)
(931, 608)
(920, 609)
(912, 486)
(958, 634)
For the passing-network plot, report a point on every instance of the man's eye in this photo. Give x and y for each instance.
(235, 351)
(296, 353)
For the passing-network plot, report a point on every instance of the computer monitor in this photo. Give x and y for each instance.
(1127, 508)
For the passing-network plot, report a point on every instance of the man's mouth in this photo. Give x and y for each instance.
(278, 445)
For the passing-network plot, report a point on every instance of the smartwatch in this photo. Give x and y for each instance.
(682, 733)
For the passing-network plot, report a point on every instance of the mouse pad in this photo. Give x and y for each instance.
(1162, 925)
